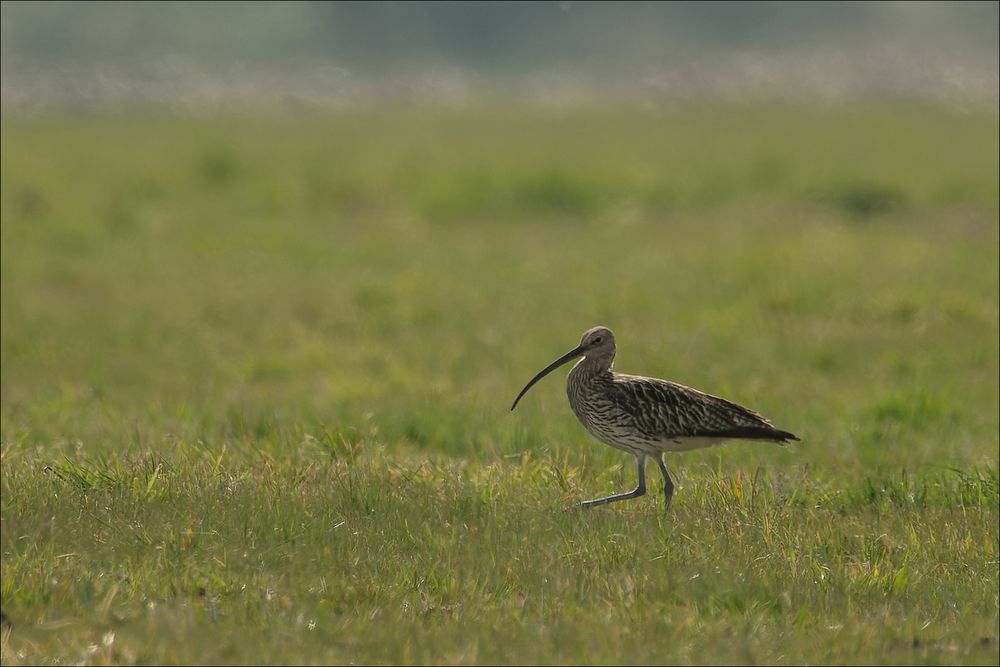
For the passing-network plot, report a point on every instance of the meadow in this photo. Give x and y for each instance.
(257, 370)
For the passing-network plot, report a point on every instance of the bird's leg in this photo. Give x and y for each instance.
(640, 490)
(668, 485)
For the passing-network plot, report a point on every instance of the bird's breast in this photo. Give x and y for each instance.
(591, 401)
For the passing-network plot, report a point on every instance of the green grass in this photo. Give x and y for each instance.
(256, 377)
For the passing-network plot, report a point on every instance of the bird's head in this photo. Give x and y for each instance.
(597, 344)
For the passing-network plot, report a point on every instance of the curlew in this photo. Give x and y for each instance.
(647, 416)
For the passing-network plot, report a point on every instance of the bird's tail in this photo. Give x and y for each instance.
(757, 433)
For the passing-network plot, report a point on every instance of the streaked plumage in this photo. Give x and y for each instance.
(648, 416)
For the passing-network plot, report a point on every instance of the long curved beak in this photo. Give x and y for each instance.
(569, 356)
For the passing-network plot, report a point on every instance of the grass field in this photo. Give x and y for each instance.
(257, 370)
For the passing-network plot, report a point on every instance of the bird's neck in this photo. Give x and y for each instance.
(585, 381)
(593, 367)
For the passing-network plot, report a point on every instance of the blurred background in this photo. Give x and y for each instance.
(203, 55)
(267, 224)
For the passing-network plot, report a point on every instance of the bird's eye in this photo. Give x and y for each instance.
(598, 339)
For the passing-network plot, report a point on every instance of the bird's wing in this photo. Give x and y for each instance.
(664, 409)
